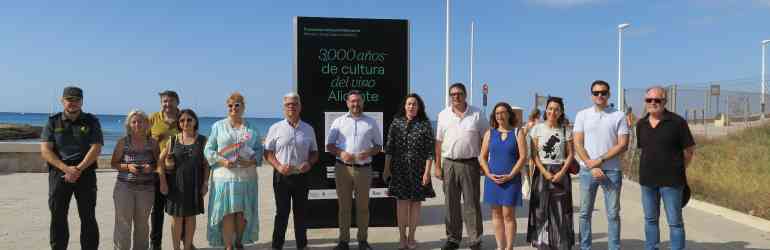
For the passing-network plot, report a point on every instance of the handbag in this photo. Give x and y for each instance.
(572, 166)
(170, 164)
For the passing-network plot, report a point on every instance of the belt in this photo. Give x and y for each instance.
(463, 160)
(354, 165)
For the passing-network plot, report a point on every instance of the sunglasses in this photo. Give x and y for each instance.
(654, 100)
(601, 93)
(235, 105)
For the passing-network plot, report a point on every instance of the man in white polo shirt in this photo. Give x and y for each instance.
(601, 135)
(290, 147)
(353, 139)
(458, 142)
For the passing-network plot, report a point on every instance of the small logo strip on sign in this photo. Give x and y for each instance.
(331, 194)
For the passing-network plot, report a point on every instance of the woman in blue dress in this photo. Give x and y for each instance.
(233, 150)
(503, 155)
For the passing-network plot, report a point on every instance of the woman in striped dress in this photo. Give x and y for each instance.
(233, 151)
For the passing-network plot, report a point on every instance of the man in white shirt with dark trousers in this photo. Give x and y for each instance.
(290, 147)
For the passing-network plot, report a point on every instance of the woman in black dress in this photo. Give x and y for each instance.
(188, 173)
(409, 155)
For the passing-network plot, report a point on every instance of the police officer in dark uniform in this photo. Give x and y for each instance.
(71, 144)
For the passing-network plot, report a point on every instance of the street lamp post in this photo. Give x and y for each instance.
(764, 82)
(472, 89)
(446, 56)
(621, 103)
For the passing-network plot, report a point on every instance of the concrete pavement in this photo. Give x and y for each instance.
(25, 221)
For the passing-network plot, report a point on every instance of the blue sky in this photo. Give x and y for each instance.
(124, 52)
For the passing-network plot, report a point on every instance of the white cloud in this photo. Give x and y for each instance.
(729, 3)
(566, 3)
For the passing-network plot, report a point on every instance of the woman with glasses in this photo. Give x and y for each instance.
(550, 204)
(503, 154)
(188, 174)
(135, 159)
(234, 150)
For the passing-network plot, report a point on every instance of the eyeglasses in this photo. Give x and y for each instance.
(234, 105)
(186, 120)
(601, 93)
(654, 100)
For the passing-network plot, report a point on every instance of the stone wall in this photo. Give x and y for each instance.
(21, 157)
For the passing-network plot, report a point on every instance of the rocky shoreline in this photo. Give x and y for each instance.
(19, 131)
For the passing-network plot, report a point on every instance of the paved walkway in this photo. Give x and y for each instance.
(25, 219)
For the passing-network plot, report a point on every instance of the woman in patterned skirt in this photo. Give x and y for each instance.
(503, 155)
(550, 204)
(187, 178)
(408, 156)
(234, 150)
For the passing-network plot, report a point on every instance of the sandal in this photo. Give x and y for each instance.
(411, 245)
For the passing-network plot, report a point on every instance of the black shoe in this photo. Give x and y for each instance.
(343, 245)
(363, 245)
(476, 247)
(450, 246)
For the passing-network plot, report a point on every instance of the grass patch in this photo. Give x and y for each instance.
(732, 171)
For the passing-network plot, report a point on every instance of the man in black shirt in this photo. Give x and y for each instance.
(667, 148)
(71, 143)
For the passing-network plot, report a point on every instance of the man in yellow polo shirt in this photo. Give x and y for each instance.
(163, 125)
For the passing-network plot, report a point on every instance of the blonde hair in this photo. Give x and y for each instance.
(236, 97)
(131, 114)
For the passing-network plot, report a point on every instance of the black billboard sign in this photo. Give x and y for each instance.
(334, 56)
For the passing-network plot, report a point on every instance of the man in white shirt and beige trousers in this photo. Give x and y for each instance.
(458, 141)
(353, 139)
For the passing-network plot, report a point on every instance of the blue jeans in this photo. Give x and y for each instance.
(611, 187)
(672, 202)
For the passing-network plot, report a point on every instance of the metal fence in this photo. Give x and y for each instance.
(735, 104)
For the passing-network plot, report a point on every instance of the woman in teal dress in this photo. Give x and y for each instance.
(233, 151)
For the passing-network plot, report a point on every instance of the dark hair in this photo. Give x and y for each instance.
(191, 113)
(169, 93)
(459, 85)
(421, 116)
(599, 82)
(562, 118)
(511, 115)
(534, 113)
(352, 92)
